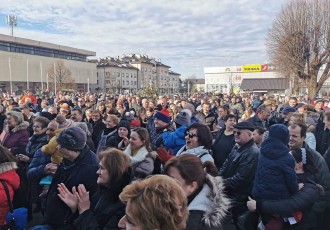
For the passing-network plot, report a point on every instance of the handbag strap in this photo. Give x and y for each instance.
(10, 204)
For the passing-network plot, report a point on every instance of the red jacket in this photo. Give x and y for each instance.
(11, 178)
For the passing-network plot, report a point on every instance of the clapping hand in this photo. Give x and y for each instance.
(83, 199)
(70, 199)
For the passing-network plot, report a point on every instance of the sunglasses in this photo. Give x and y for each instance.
(191, 135)
(237, 133)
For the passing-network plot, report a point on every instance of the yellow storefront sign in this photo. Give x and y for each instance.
(251, 68)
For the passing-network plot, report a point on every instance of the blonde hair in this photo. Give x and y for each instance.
(113, 118)
(158, 202)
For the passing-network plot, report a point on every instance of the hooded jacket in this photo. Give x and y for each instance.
(275, 176)
(10, 177)
(17, 138)
(209, 207)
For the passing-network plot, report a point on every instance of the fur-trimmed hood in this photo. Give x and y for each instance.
(21, 126)
(212, 201)
(139, 156)
(7, 166)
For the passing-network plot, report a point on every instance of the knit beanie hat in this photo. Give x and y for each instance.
(48, 115)
(135, 123)
(18, 116)
(279, 132)
(163, 115)
(124, 123)
(73, 138)
(182, 118)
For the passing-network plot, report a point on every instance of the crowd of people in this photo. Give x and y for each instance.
(101, 161)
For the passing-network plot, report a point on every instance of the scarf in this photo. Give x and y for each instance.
(195, 151)
(139, 156)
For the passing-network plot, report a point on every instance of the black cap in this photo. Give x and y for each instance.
(244, 125)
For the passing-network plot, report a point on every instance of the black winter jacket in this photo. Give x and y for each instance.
(81, 171)
(106, 208)
(300, 201)
(238, 172)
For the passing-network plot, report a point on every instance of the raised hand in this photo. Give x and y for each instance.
(163, 155)
(70, 199)
(83, 199)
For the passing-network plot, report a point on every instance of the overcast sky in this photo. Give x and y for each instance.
(188, 35)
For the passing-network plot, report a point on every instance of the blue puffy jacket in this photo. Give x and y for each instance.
(175, 140)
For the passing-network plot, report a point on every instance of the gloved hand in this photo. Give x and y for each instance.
(163, 155)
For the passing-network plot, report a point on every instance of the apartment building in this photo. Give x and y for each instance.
(115, 73)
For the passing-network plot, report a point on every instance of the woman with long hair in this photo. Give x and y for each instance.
(138, 149)
(207, 202)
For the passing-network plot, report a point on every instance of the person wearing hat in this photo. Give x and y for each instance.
(286, 114)
(121, 138)
(238, 171)
(51, 147)
(318, 105)
(174, 141)
(162, 123)
(79, 166)
(275, 177)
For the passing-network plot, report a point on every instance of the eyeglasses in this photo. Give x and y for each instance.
(191, 135)
(237, 133)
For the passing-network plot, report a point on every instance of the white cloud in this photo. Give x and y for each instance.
(186, 34)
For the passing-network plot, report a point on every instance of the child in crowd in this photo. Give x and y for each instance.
(275, 176)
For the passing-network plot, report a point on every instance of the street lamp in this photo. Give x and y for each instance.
(12, 22)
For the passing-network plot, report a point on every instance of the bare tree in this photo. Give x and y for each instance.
(62, 74)
(299, 42)
(230, 80)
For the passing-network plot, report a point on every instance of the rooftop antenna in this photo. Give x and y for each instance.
(12, 22)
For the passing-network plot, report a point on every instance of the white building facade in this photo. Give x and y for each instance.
(229, 78)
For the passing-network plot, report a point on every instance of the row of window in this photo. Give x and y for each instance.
(107, 82)
(115, 74)
(11, 47)
(149, 70)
